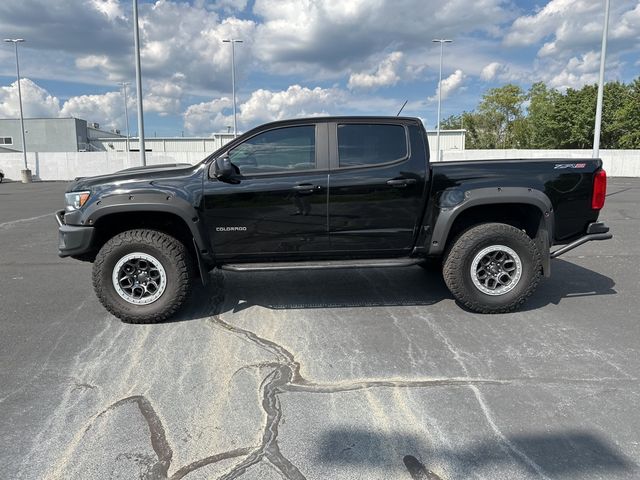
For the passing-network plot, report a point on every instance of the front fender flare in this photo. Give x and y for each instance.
(149, 202)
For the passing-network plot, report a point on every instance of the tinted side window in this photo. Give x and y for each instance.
(369, 144)
(283, 149)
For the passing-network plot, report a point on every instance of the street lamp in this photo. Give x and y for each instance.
(603, 54)
(233, 81)
(136, 43)
(26, 173)
(441, 41)
(126, 111)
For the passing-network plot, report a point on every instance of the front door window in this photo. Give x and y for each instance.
(281, 150)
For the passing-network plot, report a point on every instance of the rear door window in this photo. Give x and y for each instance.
(370, 144)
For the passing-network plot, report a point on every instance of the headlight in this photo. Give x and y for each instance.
(75, 200)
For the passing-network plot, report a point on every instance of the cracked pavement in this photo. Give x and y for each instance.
(341, 374)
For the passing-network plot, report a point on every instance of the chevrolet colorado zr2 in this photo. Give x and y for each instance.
(335, 192)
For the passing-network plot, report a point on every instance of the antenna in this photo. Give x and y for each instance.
(401, 108)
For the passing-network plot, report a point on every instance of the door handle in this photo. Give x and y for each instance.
(306, 188)
(401, 182)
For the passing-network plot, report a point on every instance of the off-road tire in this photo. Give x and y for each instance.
(460, 257)
(174, 258)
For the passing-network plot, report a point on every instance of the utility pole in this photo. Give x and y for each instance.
(233, 82)
(136, 43)
(126, 111)
(603, 54)
(26, 173)
(441, 41)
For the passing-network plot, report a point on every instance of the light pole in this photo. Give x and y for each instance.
(233, 81)
(26, 173)
(126, 111)
(441, 41)
(603, 54)
(136, 43)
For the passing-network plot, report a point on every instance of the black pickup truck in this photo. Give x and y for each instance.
(335, 192)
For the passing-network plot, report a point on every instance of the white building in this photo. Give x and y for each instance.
(449, 140)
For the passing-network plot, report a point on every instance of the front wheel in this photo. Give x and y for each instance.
(142, 276)
(492, 268)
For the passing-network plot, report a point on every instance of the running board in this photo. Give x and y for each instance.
(329, 264)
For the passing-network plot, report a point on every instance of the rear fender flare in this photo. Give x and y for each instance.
(493, 196)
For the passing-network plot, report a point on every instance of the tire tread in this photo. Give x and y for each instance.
(458, 252)
(171, 247)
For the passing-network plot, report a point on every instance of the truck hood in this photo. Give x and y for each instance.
(134, 174)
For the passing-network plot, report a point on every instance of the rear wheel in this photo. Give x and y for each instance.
(142, 276)
(492, 268)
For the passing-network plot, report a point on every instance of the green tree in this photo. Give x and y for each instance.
(616, 121)
(544, 117)
(499, 121)
(544, 129)
(453, 122)
(627, 118)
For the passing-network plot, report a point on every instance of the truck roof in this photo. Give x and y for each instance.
(346, 118)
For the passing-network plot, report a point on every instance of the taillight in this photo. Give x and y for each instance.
(599, 190)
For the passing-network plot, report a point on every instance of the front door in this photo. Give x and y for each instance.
(278, 208)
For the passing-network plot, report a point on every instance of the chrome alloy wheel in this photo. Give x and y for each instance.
(139, 278)
(496, 270)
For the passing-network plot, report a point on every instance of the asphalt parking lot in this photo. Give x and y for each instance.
(362, 374)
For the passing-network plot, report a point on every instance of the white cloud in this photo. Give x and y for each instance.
(577, 72)
(490, 71)
(230, 5)
(628, 24)
(568, 33)
(385, 74)
(449, 85)
(106, 109)
(36, 101)
(89, 27)
(207, 117)
(505, 72)
(110, 8)
(295, 101)
(569, 27)
(333, 35)
(356, 46)
(530, 29)
(164, 96)
(261, 106)
(194, 48)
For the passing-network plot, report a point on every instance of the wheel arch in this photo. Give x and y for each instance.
(111, 223)
(525, 208)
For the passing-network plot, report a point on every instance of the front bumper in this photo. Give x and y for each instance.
(72, 239)
(595, 231)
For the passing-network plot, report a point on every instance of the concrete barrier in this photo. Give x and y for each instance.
(68, 165)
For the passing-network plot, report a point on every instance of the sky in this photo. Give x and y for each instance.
(299, 57)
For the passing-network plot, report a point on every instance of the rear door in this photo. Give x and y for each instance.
(377, 186)
(278, 208)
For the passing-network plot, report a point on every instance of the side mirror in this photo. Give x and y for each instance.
(223, 170)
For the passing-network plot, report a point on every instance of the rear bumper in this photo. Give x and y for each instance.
(72, 239)
(595, 231)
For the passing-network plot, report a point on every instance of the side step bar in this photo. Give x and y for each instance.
(319, 265)
(595, 231)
